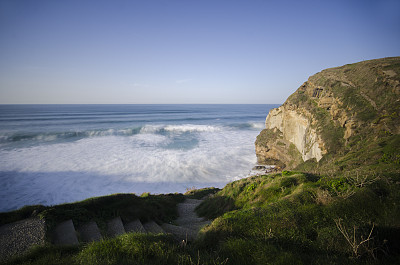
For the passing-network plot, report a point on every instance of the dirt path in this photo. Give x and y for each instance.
(188, 218)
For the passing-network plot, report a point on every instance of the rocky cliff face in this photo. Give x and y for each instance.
(331, 111)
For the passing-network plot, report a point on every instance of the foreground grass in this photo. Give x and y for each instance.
(297, 218)
(126, 249)
(284, 218)
(160, 208)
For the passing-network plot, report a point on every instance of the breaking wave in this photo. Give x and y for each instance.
(49, 157)
(154, 129)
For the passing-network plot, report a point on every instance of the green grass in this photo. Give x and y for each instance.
(282, 217)
(343, 209)
(160, 208)
(49, 254)
(22, 213)
(200, 193)
(129, 248)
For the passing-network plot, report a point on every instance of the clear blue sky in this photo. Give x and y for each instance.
(183, 51)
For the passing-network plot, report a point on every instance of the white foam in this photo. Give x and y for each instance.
(257, 125)
(191, 128)
(65, 172)
(150, 128)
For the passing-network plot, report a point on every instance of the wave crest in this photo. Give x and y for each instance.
(146, 129)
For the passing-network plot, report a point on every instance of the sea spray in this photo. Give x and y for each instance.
(166, 153)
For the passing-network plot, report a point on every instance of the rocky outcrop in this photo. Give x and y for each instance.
(328, 111)
(296, 128)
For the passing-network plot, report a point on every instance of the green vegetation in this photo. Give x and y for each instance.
(343, 209)
(268, 134)
(100, 209)
(129, 248)
(283, 218)
(22, 213)
(297, 217)
(194, 193)
(295, 154)
(362, 156)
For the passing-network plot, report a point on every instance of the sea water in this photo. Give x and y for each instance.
(51, 154)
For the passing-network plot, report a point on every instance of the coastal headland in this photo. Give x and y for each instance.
(334, 200)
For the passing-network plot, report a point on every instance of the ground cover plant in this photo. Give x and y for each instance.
(160, 208)
(343, 209)
(283, 218)
(298, 218)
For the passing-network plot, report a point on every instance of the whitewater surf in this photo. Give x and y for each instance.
(51, 154)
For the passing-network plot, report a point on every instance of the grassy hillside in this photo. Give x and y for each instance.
(344, 209)
(299, 218)
(355, 110)
(282, 218)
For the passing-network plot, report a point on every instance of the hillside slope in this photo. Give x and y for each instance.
(336, 113)
(340, 129)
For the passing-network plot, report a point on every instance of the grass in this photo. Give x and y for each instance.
(194, 193)
(291, 216)
(48, 254)
(160, 208)
(283, 218)
(129, 248)
(22, 213)
(343, 209)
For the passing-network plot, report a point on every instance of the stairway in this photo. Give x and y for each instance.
(90, 232)
(66, 234)
(17, 237)
(186, 227)
(188, 223)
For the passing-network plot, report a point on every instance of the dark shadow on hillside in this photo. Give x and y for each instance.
(216, 206)
(50, 188)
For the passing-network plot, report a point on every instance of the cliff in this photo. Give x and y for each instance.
(336, 111)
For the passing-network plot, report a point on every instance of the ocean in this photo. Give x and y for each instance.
(51, 154)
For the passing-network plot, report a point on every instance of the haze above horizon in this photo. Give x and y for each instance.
(176, 52)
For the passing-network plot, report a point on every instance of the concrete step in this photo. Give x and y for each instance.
(188, 207)
(115, 227)
(17, 237)
(135, 227)
(153, 227)
(179, 232)
(64, 234)
(187, 215)
(89, 232)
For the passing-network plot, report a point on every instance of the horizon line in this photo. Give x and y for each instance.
(140, 103)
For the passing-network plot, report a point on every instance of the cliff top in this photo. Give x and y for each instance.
(354, 112)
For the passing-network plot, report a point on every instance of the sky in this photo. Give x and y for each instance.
(183, 52)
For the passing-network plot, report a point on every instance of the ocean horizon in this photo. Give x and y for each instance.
(59, 153)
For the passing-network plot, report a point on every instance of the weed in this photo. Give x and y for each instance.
(359, 244)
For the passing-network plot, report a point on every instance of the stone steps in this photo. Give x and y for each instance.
(180, 232)
(188, 221)
(115, 227)
(187, 227)
(65, 234)
(135, 227)
(153, 227)
(89, 232)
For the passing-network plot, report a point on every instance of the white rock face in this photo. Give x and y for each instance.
(296, 128)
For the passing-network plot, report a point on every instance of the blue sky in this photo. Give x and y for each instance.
(215, 51)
